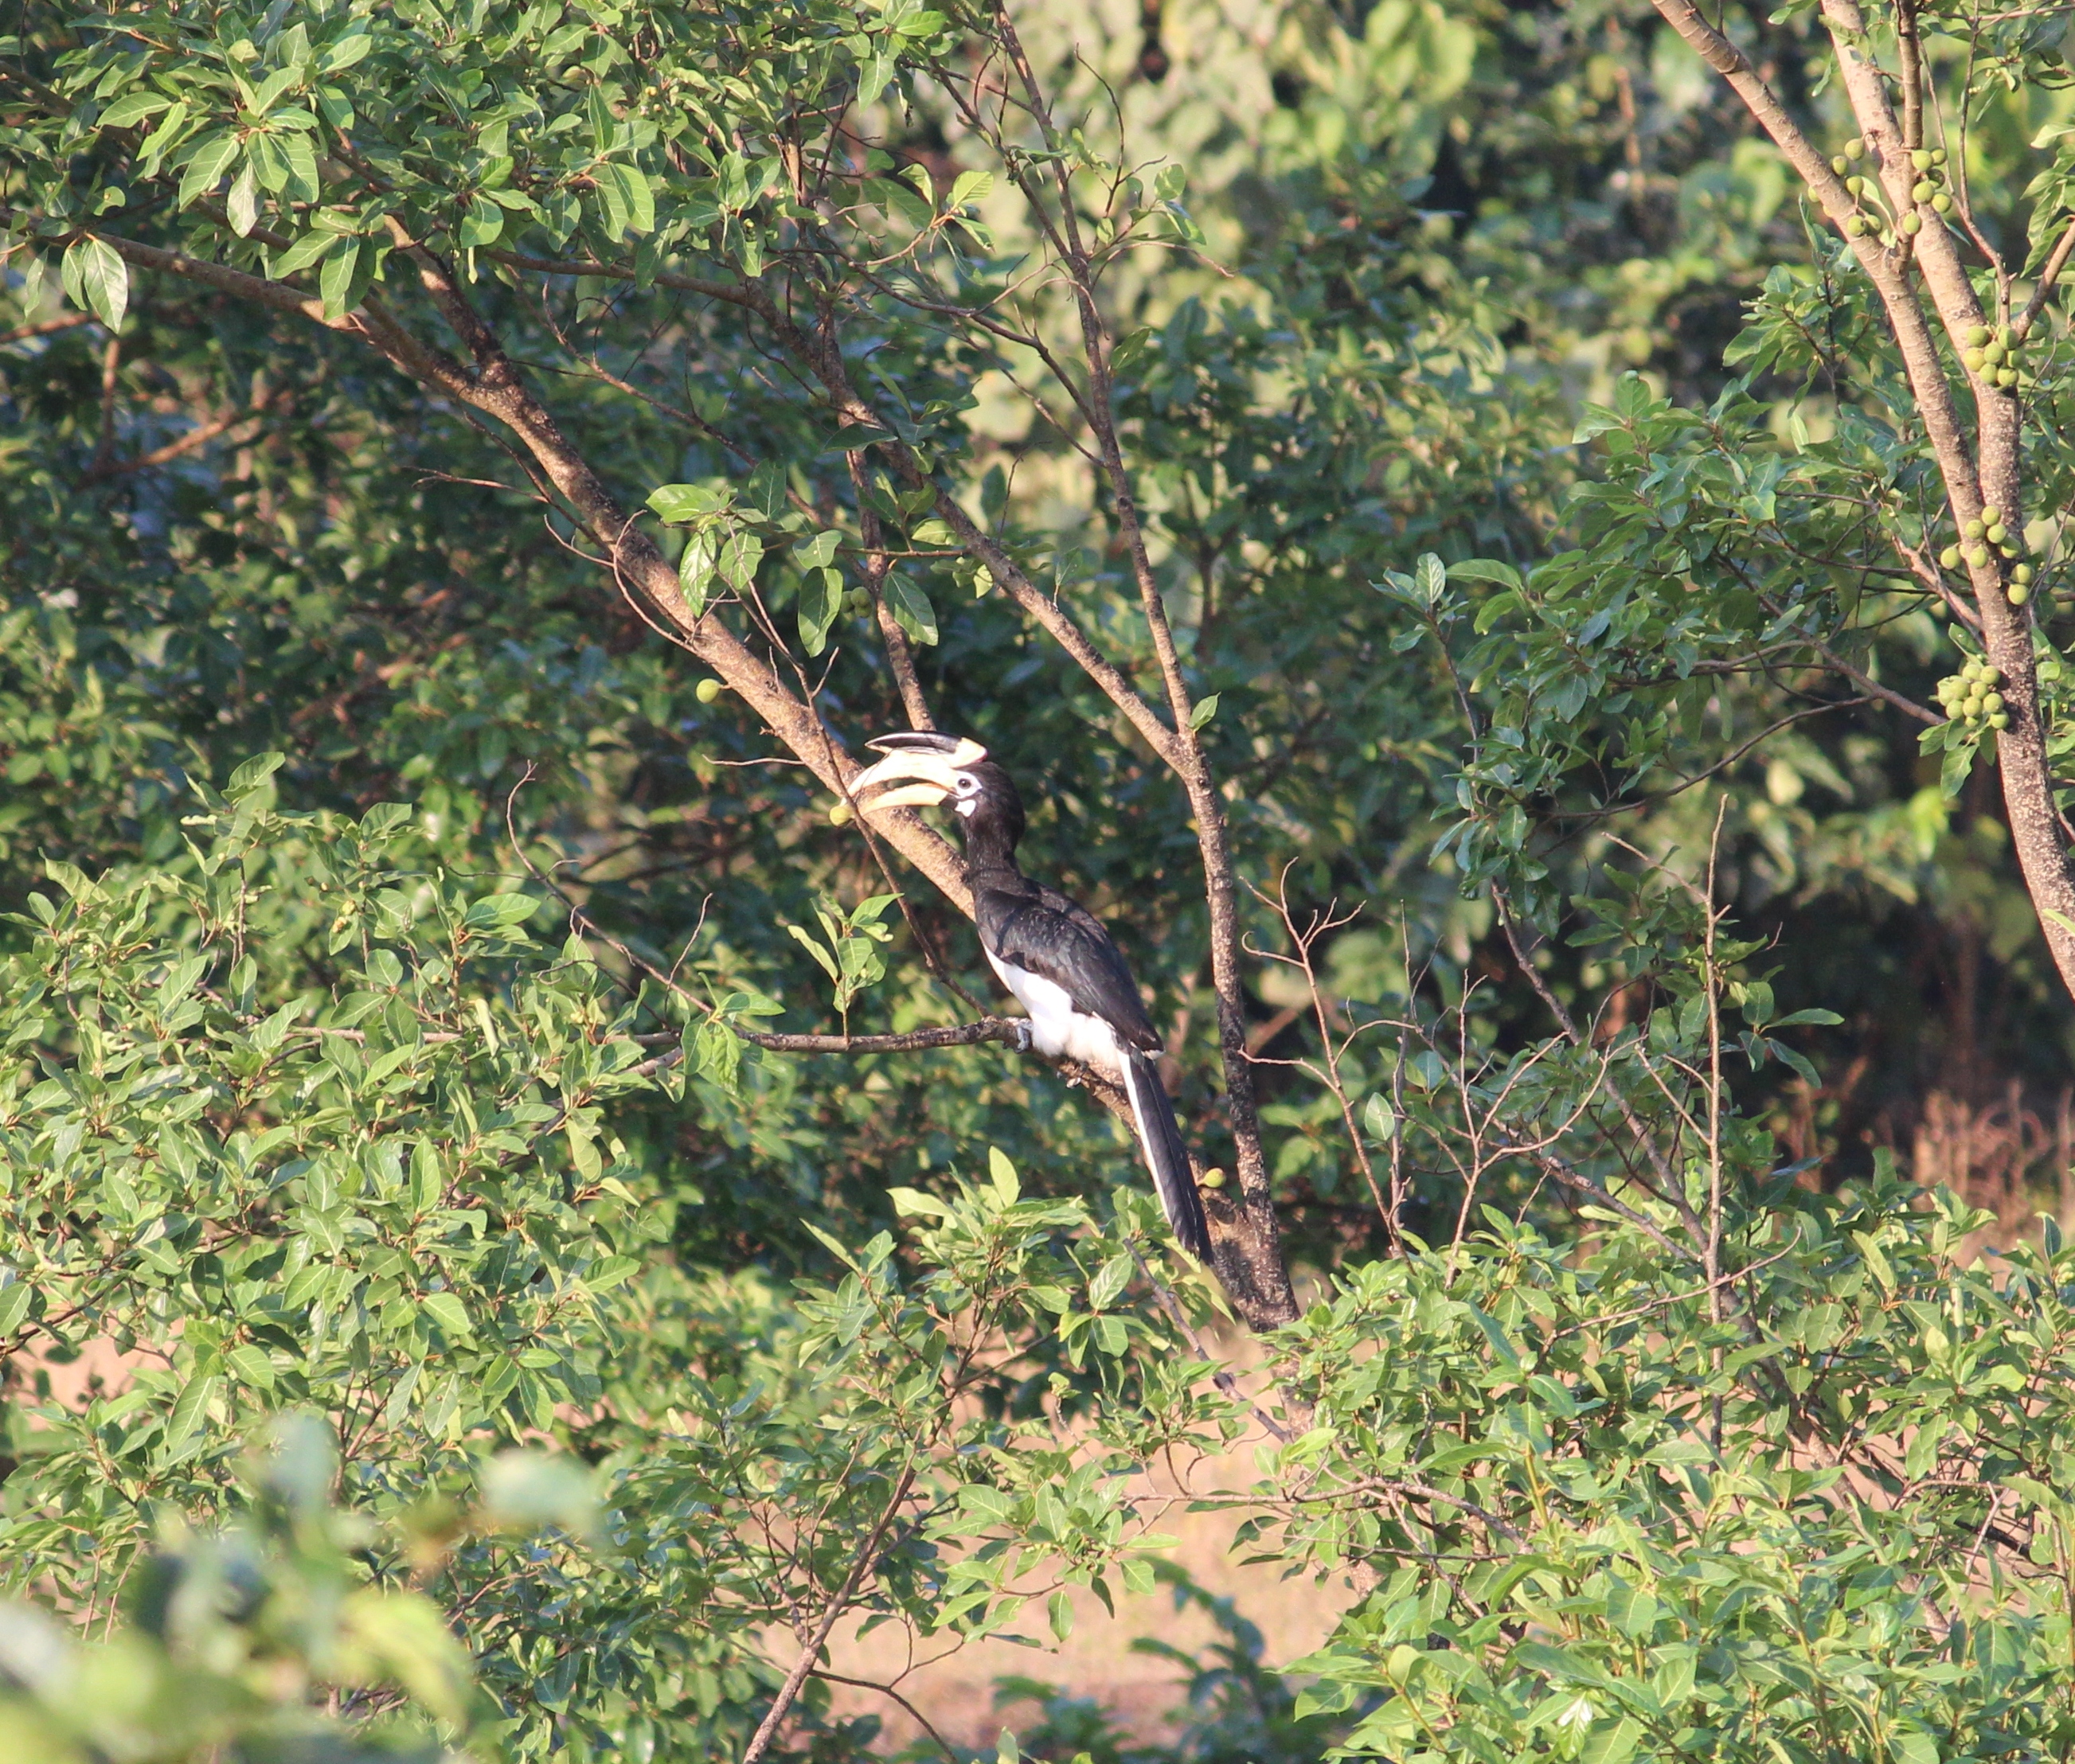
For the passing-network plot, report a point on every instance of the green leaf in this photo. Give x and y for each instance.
(347, 50)
(190, 1408)
(1059, 1613)
(1204, 708)
(821, 601)
(132, 109)
(242, 204)
(766, 492)
(1611, 1742)
(206, 165)
(482, 225)
(335, 281)
(1110, 1280)
(300, 153)
(96, 279)
(911, 610)
(15, 1298)
(253, 1366)
(448, 1311)
(739, 560)
(681, 504)
(716, 1054)
(253, 773)
(630, 203)
(820, 952)
(305, 251)
(1485, 569)
(819, 551)
(695, 568)
(1007, 1184)
(911, 1203)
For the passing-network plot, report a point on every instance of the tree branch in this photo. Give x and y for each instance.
(1012, 1030)
(1970, 485)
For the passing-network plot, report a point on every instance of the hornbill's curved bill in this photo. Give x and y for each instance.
(1053, 954)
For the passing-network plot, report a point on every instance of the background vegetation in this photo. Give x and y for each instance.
(1431, 505)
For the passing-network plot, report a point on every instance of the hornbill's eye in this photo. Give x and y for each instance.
(966, 788)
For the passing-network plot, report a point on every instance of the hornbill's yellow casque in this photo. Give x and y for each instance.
(1053, 954)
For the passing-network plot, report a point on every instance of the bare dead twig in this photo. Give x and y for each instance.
(1302, 941)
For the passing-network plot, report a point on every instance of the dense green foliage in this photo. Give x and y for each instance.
(1549, 539)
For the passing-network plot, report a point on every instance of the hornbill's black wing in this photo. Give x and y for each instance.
(1045, 934)
(1059, 940)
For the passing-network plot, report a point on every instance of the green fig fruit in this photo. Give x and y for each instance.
(707, 690)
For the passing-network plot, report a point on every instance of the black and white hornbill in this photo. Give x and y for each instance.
(1052, 954)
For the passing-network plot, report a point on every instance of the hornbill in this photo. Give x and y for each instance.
(1052, 954)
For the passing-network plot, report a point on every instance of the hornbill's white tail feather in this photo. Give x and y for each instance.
(1166, 1158)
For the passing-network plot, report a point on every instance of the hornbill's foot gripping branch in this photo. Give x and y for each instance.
(1053, 954)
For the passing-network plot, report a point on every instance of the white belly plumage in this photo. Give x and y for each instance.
(1056, 1029)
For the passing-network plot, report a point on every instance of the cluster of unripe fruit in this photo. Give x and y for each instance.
(1978, 538)
(1927, 163)
(1971, 696)
(1991, 354)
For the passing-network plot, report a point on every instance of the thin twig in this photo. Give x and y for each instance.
(761, 1742)
(920, 1720)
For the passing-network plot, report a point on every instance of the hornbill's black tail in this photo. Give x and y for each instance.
(1160, 1138)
